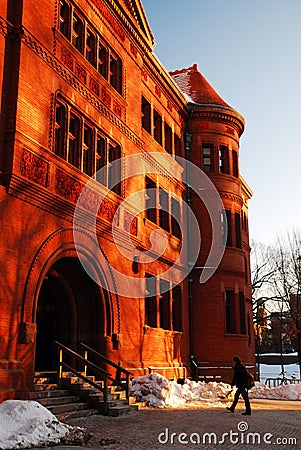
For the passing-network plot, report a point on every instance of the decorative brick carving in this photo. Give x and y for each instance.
(158, 91)
(117, 108)
(105, 97)
(144, 74)
(67, 186)
(34, 168)
(107, 209)
(110, 18)
(134, 50)
(67, 59)
(169, 105)
(81, 73)
(130, 223)
(230, 130)
(94, 86)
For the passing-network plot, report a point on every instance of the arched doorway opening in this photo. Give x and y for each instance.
(71, 309)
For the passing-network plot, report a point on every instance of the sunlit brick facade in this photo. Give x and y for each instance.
(81, 88)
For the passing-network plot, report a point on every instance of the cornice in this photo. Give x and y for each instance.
(218, 114)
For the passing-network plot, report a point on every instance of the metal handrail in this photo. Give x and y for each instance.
(106, 375)
(118, 368)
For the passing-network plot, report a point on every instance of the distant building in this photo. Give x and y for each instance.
(81, 87)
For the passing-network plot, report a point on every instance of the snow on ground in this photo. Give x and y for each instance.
(25, 424)
(158, 392)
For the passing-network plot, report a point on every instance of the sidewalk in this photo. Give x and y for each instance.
(272, 423)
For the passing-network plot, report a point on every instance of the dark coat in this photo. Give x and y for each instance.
(240, 378)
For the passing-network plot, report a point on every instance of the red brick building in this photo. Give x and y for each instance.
(81, 88)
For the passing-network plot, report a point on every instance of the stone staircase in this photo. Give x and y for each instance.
(76, 398)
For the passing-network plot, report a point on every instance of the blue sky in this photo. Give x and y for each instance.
(250, 52)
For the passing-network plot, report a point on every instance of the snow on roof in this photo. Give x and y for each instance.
(196, 87)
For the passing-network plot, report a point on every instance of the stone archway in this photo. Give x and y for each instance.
(64, 302)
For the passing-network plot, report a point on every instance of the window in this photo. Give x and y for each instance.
(230, 311)
(150, 302)
(237, 230)
(77, 32)
(175, 218)
(88, 42)
(74, 140)
(102, 64)
(114, 169)
(229, 228)
(242, 313)
(164, 209)
(84, 146)
(249, 329)
(244, 221)
(176, 308)
(64, 18)
(235, 163)
(207, 157)
(223, 159)
(178, 145)
(115, 78)
(157, 127)
(168, 138)
(146, 115)
(60, 125)
(90, 52)
(88, 150)
(151, 200)
(164, 305)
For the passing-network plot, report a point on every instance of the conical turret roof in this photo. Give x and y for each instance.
(196, 87)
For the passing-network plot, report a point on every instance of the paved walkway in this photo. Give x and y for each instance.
(273, 423)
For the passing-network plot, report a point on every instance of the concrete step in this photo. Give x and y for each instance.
(67, 407)
(53, 401)
(50, 393)
(122, 410)
(44, 387)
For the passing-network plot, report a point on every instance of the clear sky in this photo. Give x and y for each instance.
(250, 52)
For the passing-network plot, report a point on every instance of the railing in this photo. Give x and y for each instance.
(212, 371)
(280, 381)
(119, 370)
(105, 376)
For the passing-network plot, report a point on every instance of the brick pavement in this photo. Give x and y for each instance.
(270, 420)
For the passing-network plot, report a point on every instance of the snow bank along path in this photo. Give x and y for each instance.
(157, 391)
(25, 424)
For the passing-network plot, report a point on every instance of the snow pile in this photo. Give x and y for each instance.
(285, 392)
(25, 424)
(157, 391)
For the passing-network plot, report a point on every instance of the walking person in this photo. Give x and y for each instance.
(240, 380)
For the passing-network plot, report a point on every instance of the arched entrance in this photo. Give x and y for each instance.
(71, 309)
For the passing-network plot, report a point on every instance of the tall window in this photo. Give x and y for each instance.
(100, 158)
(230, 311)
(235, 163)
(223, 159)
(74, 140)
(146, 115)
(115, 72)
(242, 313)
(229, 228)
(114, 168)
(164, 305)
(157, 127)
(77, 38)
(175, 218)
(90, 51)
(64, 18)
(237, 230)
(164, 208)
(178, 145)
(151, 200)
(207, 157)
(176, 308)
(150, 302)
(88, 150)
(168, 138)
(60, 127)
(102, 62)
